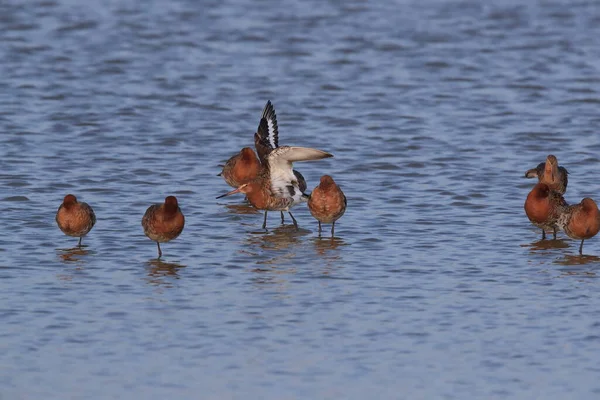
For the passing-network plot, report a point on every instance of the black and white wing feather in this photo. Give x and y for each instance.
(266, 137)
(268, 129)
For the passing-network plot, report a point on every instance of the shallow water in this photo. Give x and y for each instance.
(435, 284)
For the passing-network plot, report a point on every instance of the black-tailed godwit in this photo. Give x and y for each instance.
(327, 202)
(75, 218)
(543, 208)
(163, 222)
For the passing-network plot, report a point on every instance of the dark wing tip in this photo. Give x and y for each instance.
(301, 181)
(271, 133)
(268, 111)
(263, 130)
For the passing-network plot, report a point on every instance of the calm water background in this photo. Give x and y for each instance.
(435, 286)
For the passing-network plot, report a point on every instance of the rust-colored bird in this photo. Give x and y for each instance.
(551, 174)
(580, 221)
(327, 202)
(241, 168)
(163, 222)
(75, 218)
(543, 208)
(276, 188)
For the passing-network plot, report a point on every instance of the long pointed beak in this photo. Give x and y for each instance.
(219, 174)
(230, 193)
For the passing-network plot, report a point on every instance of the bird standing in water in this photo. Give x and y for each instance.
(580, 221)
(74, 218)
(327, 202)
(266, 139)
(543, 208)
(276, 188)
(245, 166)
(163, 222)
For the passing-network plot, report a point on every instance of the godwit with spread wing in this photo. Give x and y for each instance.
(266, 139)
(276, 188)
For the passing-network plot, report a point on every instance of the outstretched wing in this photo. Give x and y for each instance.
(279, 160)
(267, 128)
(263, 148)
(266, 137)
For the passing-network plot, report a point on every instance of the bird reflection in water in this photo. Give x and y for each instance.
(547, 245)
(274, 253)
(161, 272)
(580, 267)
(73, 256)
(324, 245)
(328, 250)
(272, 276)
(575, 260)
(279, 238)
(277, 255)
(245, 208)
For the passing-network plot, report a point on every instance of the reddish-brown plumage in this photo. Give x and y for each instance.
(261, 196)
(277, 187)
(163, 222)
(74, 218)
(581, 221)
(543, 208)
(241, 168)
(327, 202)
